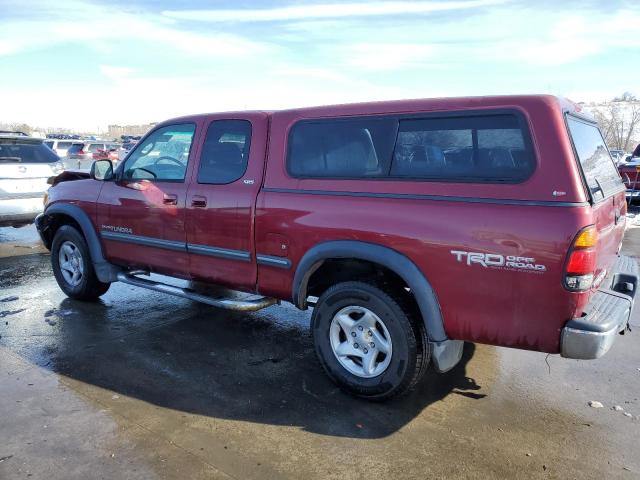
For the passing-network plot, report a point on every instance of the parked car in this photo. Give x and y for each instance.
(104, 151)
(124, 150)
(410, 227)
(627, 157)
(77, 158)
(59, 146)
(98, 148)
(617, 155)
(25, 165)
(14, 132)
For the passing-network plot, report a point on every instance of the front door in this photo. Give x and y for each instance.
(141, 215)
(221, 201)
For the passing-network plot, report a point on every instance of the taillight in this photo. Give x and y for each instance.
(581, 260)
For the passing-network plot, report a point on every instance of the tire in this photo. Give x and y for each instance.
(369, 374)
(72, 267)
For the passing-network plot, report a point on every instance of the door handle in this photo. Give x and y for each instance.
(198, 201)
(170, 199)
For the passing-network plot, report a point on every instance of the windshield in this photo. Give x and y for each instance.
(599, 169)
(26, 153)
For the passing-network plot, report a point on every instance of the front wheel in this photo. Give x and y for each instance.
(72, 267)
(370, 344)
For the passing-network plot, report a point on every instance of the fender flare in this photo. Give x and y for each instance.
(391, 259)
(105, 271)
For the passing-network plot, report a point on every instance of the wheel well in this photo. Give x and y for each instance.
(55, 221)
(336, 270)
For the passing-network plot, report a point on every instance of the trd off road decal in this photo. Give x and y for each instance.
(495, 260)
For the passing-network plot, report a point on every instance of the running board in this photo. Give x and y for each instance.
(250, 304)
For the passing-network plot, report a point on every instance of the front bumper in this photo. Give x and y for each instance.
(20, 211)
(606, 315)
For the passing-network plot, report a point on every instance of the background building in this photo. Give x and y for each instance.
(116, 131)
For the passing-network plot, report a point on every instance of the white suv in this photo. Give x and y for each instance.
(60, 146)
(25, 166)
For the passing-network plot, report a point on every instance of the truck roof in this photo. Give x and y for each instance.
(404, 106)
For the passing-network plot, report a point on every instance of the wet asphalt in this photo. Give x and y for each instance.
(143, 385)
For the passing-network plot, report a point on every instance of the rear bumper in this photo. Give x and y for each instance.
(20, 211)
(607, 314)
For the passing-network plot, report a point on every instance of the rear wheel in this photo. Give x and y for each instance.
(370, 344)
(72, 266)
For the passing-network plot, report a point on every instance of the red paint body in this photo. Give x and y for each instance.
(516, 309)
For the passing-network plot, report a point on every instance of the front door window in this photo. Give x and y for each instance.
(162, 156)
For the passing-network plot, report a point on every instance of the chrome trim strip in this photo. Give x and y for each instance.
(225, 253)
(439, 198)
(145, 241)
(177, 246)
(272, 261)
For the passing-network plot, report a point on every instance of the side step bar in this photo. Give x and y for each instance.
(250, 304)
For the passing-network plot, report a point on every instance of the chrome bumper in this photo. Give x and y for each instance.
(20, 211)
(607, 314)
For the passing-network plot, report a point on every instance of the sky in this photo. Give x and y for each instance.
(87, 64)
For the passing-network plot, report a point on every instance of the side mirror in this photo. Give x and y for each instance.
(102, 170)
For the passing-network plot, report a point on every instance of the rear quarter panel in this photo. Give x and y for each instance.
(494, 305)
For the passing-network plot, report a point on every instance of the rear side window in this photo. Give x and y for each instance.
(478, 148)
(599, 169)
(351, 148)
(225, 153)
(64, 144)
(26, 153)
(488, 148)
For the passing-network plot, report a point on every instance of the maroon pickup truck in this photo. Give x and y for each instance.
(410, 227)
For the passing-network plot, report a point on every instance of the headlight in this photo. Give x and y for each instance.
(57, 167)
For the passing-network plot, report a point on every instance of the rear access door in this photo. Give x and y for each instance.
(606, 189)
(221, 200)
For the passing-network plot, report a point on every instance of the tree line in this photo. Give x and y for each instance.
(619, 121)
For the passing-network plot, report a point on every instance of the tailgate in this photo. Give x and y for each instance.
(605, 187)
(609, 217)
(20, 180)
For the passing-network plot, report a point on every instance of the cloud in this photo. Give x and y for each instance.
(326, 10)
(144, 66)
(98, 26)
(114, 72)
(386, 56)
